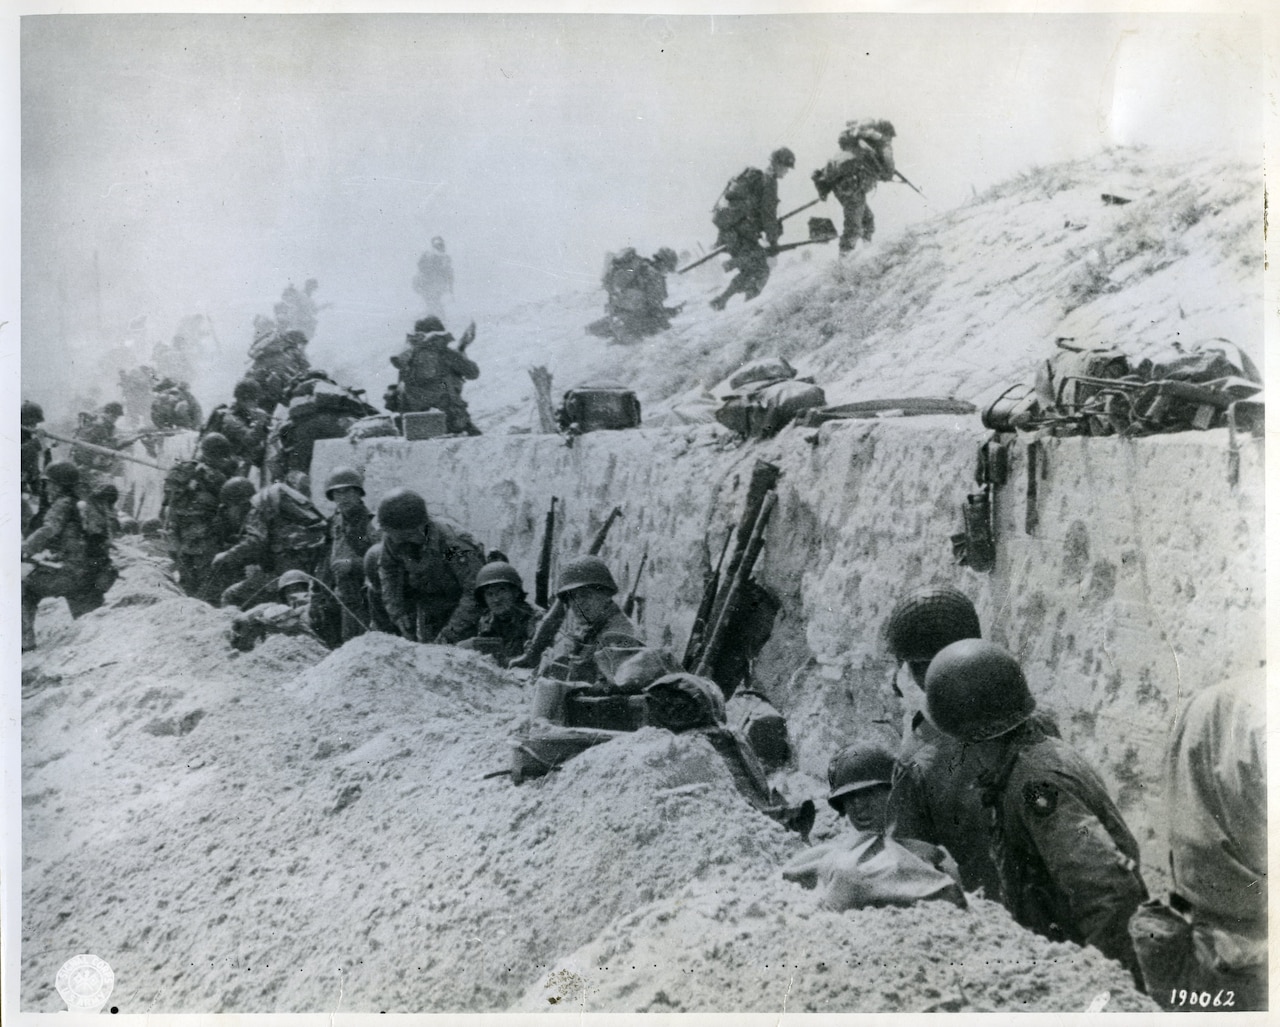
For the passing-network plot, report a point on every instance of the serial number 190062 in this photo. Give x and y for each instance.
(1203, 999)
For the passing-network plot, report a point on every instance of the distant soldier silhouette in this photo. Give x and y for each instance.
(297, 310)
(747, 209)
(865, 158)
(434, 279)
(637, 295)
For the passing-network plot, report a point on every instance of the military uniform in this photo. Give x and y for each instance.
(97, 430)
(434, 280)
(428, 588)
(504, 636)
(278, 359)
(173, 406)
(866, 158)
(747, 208)
(1216, 790)
(351, 534)
(431, 377)
(1068, 864)
(245, 427)
(191, 491)
(64, 569)
(637, 295)
(572, 656)
(284, 531)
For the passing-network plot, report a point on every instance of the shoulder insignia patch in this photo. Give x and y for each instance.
(1040, 797)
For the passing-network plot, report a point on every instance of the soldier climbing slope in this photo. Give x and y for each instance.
(636, 288)
(244, 424)
(56, 556)
(432, 373)
(98, 430)
(192, 496)
(1068, 864)
(173, 405)
(427, 572)
(865, 158)
(747, 209)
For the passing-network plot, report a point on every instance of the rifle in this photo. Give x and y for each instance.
(709, 589)
(715, 253)
(629, 606)
(903, 179)
(542, 579)
(737, 584)
(468, 337)
(104, 450)
(550, 624)
(764, 478)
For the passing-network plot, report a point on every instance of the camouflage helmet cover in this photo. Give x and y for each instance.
(856, 768)
(585, 572)
(976, 691)
(928, 619)
(64, 474)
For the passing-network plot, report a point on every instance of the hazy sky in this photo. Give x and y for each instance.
(178, 164)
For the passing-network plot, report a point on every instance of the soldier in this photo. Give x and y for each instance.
(508, 621)
(57, 553)
(100, 524)
(35, 458)
(235, 500)
(136, 385)
(935, 796)
(746, 209)
(434, 279)
(192, 497)
(1211, 935)
(99, 430)
(282, 532)
(864, 867)
(298, 310)
(352, 532)
(173, 405)
(291, 615)
(1068, 864)
(594, 623)
(278, 358)
(427, 571)
(432, 373)
(865, 158)
(244, 424)
(637, 295)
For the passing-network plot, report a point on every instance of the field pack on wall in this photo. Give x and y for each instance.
(767, 397)
(1082, 390)
(603, 407)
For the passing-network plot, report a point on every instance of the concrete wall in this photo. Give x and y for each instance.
(1143, 581)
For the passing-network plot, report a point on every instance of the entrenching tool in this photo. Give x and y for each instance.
(790, 246)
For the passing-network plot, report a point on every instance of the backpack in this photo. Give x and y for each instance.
(599, 408)
(765, 409)
(738, 200)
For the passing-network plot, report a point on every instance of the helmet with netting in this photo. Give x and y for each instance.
(929, 619)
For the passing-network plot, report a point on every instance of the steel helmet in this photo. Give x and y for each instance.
(497, 573)
(666, 259)
(402, 509)
(343, 478)
(32, 413)
(783, 157)
(976, 691)
(236, 490)
(215, 446)
(106, 492)
(428, 324)
(585, 572)
(248, 390)
(64, 474)
(113, 409)
(290, 578)
(929, 619)
(856, 768)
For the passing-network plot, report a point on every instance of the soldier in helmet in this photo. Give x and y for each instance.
(747, 209)
(192, 497)
(1067, 863)
(865, 158)
(594, 623)
(174, 406)
(508, 621)
(56, 554)
(863, 867)
(99, 430)
(636, 287)
(351, 533)
(432, 374)
(290, 615)
(35, 458)
(244, 423)
(427, 572)
(283, 531)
